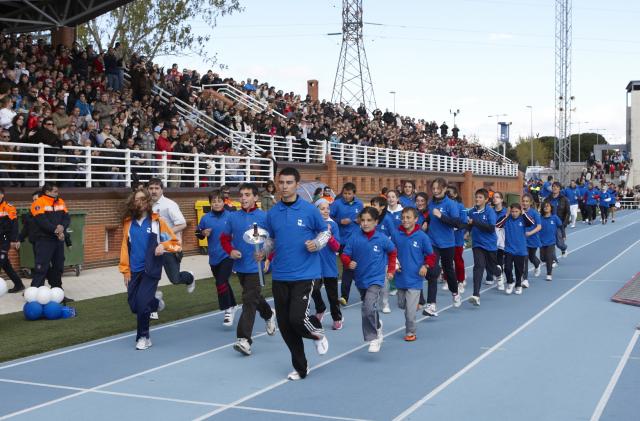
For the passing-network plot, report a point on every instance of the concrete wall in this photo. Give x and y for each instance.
(633, 132)
(103, 231)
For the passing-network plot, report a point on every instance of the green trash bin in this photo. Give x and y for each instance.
(73, 256)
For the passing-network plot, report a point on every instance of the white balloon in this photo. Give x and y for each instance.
(3, 287)
(57, 295)
(44, 295)
(31, 294)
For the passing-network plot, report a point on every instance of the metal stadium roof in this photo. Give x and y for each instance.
(38, 15)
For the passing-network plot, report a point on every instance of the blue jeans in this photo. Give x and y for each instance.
(171, 264)
(113, 81)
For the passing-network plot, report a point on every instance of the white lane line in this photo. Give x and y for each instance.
(507, 338)
(176, 323)
(47, 403)
(604, 399)
(181, 401)
(344, 354)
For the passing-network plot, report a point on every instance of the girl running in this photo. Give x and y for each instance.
(605, 202)
(533, 239)
(459, 234)
(386, 227)
(515, 229)
(394, 208)
(423, 212)
(550, 225)
(591, 196)
(211, 226)
(613, 192)
(329, 271)
(368, 253)
(500, 210)
(416, 257)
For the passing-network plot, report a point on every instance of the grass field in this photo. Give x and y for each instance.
(103, 316)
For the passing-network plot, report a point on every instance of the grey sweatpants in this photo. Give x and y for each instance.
(370, 317)
(408, 301)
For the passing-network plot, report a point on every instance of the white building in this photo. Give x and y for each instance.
(633, 130)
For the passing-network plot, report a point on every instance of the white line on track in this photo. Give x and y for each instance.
(182, 401)
(604, 399)
(279, 383)
(507, 338)
(393, 332)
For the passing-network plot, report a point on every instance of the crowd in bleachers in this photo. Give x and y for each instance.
(81, 97)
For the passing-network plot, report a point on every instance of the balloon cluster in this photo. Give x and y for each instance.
(45, 301)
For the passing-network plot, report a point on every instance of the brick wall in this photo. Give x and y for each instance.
(103, 233)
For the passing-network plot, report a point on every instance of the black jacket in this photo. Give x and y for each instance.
(563, 211)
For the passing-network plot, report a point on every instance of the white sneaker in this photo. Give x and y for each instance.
(573, 225)
(154, 315)
(161, 304)
(457, 301)
(525, 283)
(294, 375)
(518, 290)
(380, 335)
(500, 285)
(393, 292)
(243, 346)
(549, 278)
(271, 323)
(430, 310)
(386, 309)
(445, 287)
(554, 265)
(143, 343)
(229, 315)
(489, 281)
(192, 286)
(536, 271)
(375, 345)
(509, 289)
(461, 287)
(322, 345)
(474, 300)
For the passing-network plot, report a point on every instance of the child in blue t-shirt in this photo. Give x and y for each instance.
(515, 226)
(550, 224)
(416, 257)
(387, 227)
(372, 256)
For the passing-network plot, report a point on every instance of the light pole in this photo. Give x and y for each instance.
(497, 116)
(530, 107)
(579, 134)
(394, 100)
(455, 113)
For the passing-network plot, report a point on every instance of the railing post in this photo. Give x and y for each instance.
(196, 170)
(127, 167)
(289, 148)
(386, 153)
(165, 169)
(366, 148)
(223, 171)
(308, 153)
(376, 153)
(247, 170)
(41, 171)
(397, 159)
(273, 147)
(88, 171)
(341, 153)
(271, 174)
(424, 156)
(354, 155)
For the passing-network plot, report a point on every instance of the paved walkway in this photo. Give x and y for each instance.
(101, 282)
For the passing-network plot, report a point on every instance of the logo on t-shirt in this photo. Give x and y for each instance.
(415, 244)
(300, 223)
(376, 248)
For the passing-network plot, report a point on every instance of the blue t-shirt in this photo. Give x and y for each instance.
(239, 222)
(139, 236)
(412, 250)
(591, 196)
(217, 223)
(460, 232)
(546, 190)
(395, 216)
(534, 240)
(605, 199)
(550, 225)
(340, 209)
(291, 226)
(328, 256)
(387, 225)
(480, 238)
(370, 254)
(407, 201)
(515, 241)
(572, 194)
(441, 234)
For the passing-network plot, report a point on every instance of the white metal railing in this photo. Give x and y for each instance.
(629, 203)
(30, 164)
(242, 98)
(310, 151)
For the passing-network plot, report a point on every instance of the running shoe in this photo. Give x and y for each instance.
(445, 286)
(320, 316)
(554, 265)
(489, 281)
(500, 285)
(243, 346)
(549, 278)
(457, 301)
(271, 323)
(461, 287)
(509, 289)
(229, 315)
(343, 301)
(322, 345)
(154, 315)
(536, 271)
(518, 290)
(430, 310)
(294, 375)
(337, 324)
(525, 283)
(410, 337)
(161, 304)
(143, 343)
(474, 300)
(192, 286)
(386, 309)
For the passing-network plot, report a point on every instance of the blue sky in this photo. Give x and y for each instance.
(483, 57)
